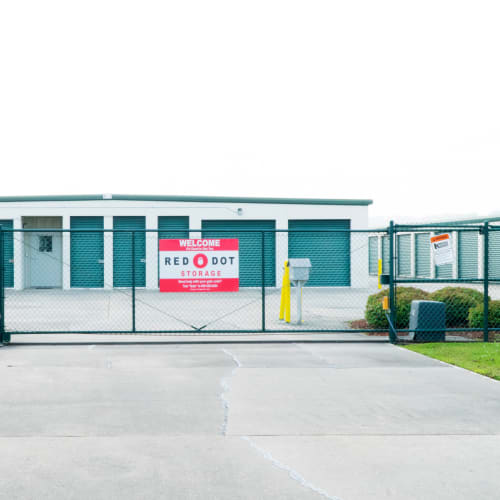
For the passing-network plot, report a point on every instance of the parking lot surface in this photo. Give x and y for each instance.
(243, 421)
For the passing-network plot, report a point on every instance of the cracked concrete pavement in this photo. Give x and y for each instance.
(243, 421)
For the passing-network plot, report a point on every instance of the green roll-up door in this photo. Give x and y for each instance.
(423, 255)
(494, 255)
(385, 254)
(446, 271)
(250, 247)
(122, 251)
(174, 227)
(373, 255)
(404, 255)
(8, 253)
(330, 253)
(87, 252)
(467, 254)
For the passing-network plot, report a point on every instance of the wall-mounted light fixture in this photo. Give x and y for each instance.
(239, 211)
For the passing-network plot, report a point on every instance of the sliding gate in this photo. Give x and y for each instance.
(112, 280)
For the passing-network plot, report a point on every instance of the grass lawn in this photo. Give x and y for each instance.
(483, 358)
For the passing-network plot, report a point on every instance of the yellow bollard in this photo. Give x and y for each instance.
(285, 295)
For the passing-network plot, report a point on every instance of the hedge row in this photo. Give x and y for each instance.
(464, 307)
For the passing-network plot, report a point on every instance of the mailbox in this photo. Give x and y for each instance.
(299, 269)
(299, 274)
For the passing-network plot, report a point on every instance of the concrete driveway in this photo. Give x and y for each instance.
(236, 421)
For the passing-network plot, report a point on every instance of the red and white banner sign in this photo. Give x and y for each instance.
(208, 265)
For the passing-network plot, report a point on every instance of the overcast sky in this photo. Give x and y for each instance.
(396, 101)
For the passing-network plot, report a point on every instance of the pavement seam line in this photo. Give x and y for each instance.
(313, 354)
(226, 388)
(291, 472)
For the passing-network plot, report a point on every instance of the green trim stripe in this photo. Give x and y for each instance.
(190, 199)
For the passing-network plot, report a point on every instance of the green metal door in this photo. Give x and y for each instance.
(8, 253)
(445, 271)
(87, 252)
(468, 254)
(250, 247)
(172, 227)
(330, 253)
(122, 251)
(423, 255)
(385, 254)
(494, 254)
(373, 255)
(404, 255)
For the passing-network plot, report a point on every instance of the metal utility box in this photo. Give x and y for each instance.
(299, 269)
(427, 315)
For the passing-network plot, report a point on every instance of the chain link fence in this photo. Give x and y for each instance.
(466, 285)
(107, 281)
(97, 280)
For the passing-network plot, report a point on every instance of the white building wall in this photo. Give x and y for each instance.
(197, 212)
(359, 260)
(454, 243)
(66, 253)
(108, 252)
(152, 252)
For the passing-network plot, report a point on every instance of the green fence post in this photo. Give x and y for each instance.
(133, 281)
(263, 285)
(486, 281)
(392, 295)
(2, 290)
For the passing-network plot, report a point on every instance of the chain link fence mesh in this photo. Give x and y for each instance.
(92, 280)
(465, 287)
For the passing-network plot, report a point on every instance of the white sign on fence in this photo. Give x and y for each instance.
(442, 249)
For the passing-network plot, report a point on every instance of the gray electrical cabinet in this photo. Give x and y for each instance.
(299, 269)
(427, 321)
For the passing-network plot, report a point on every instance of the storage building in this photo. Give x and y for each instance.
(414, 259)
(87, 257)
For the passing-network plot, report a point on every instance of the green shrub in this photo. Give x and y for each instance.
(476, 315)
(375, 315)
(458, 302)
